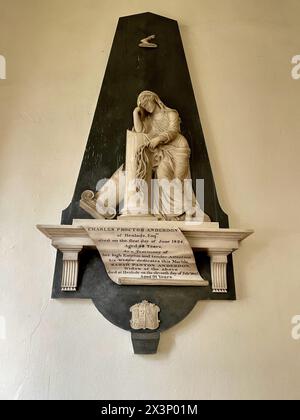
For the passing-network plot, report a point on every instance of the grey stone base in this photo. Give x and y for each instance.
(145, 343)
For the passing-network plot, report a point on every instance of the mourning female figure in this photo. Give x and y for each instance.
(166, 151)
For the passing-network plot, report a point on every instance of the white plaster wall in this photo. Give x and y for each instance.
(239, 54)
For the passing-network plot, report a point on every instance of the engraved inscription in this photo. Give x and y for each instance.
(145, 255)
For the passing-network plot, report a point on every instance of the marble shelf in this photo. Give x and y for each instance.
(208, 237)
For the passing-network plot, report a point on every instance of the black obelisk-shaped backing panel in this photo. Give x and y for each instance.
(129, 71)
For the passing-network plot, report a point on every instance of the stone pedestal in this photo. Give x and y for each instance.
(137, 198)
(145, 343)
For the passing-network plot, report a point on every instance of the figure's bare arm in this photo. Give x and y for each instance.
(138, 120)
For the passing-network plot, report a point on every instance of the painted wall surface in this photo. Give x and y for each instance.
(239, 54)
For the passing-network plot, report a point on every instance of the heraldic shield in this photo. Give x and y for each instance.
(144, 316)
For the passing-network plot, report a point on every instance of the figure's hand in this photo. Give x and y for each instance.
(154, 143)
(138, 112)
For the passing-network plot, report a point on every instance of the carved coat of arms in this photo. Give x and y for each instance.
(144, 316)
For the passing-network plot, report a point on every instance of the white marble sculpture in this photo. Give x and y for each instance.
(144, 316)
(157, 157)
(155, 151)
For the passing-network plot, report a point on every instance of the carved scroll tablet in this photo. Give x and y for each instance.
(137, 254)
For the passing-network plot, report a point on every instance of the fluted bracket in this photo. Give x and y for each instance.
(218, 266)
(70, 268)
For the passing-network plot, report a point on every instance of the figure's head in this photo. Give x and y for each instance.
(149, 100)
